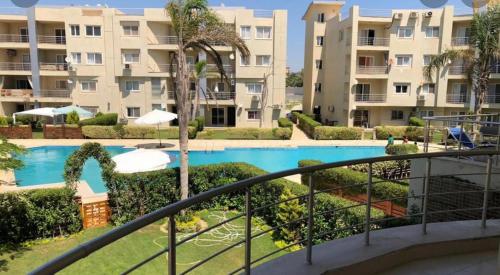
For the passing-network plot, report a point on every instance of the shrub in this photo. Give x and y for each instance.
(99, 132)
(3, 121)
(283, 133)
(72, 118)
(102, 120)
(285, 123)
(307, 124)
(294, 117)
(413, 133)
(352, 182)
(401, 149)
(415, 121)
(139, 132)
(38, 214)
(287, 213)
(132, 132)
(201, 123)
(337, 133)
(24, 120)
(239, 133)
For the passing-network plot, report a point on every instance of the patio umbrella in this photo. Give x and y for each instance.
(36, 112)
(82, 113)
(141, 160)
(156, 117)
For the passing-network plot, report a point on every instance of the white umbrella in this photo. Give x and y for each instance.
(156, 117)
(141, 160)
(36, 112)
(82, 113)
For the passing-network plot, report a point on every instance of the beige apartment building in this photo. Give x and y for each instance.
(367, 69)
(117, 60)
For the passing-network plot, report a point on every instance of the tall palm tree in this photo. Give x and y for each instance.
(198, 74)
(478, 61)
(197, 28)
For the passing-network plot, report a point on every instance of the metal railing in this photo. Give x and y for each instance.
(46, 66)
(492, 99)
(13, 38)
(16, 92)
(55, 93)
(12, 66)
(457, 98)
(460, 41)
(373, 41)
(371, 97)
(29, 93)
(166, 40)
(372, 70)
(48, 39)
(220, 96)
(213, 68)
(457, 70)
(421, 214)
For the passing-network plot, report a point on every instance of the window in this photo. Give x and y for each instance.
(131, 57)
(403, 60)
(263, 32)
(157, 107)
(321, 17)
(245, 32)
(253, 115)
(254, 88)
(319, 40)
(94, 58)
(428, 88)
(156, 85)
(61, 84)
(397, 115)
(132, 86)
(133, 112)
(131, 30)
(319, 64)
(427, 59)
(317, 87)
(263, 60)
(426, 113)
(244, 60)
(75, 30)
(405, 32)
(402, 88)
(432, 32)
(93, 30)
(89, 86)
(77, 58)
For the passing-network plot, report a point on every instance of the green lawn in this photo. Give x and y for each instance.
(37, 133)
(238, 134)
(130, 250)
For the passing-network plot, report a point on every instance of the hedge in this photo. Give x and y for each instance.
(337, 133)
(416, 121)
(413, 133)
(133, 195)
(246, 134)
(307, 124)
(133, 132)
(38, 214)
(285, 123)
(344, 177)
(101, 120)
(401, 149)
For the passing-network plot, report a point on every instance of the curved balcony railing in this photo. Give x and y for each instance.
(373, 41)
(428, 196)
(13, 38)
(372, 70)
(370, 98)
(13, 66)
(48, 39)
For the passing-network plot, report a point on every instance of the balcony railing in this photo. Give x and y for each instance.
(53, 66)
(29, 93)
(213, 68)
(457, 70)
(221, 96)
(156, 95)
(372, 70)
(495, 69)
(460, 41)
(56, 93)
(12, 66)
(16, 92)
(492, 99)
(457, 99)
(165, 68)
(373, 41)
(427, 200)
(166, 40)
(51, 39)
(370, 98)
(13, 38)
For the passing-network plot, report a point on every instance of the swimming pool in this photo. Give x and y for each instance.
(46, 164)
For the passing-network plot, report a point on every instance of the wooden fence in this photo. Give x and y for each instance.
(95, 214)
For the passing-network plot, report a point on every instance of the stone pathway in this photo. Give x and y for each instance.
(298, 134)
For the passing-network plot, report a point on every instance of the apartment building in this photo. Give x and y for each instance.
(367, 69)
(117, 60)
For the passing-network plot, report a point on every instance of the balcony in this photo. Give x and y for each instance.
(495, 69)
(460, 41)
(13, 66)
(492, 99)
(13, 38)
(28, 94)
(457, 99)
(372, 70)
(165, 40)
(221, 96)
(45, 39)
(16, 93)
(370, 98)
(56, 93)
(374, 41)
(457, 70)
(45, 66)
(211, 68)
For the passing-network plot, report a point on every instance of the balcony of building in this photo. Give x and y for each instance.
(14, 34)
(461, 34)
(19, 89)
(53, 62)
(458, 70)
(15, 62)
(495, 70)
(372, 65)
(373, 36)
(371, 92)
(51, 35)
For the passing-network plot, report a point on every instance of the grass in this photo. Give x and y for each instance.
(130, 250)
(238, 133)
(37, 133)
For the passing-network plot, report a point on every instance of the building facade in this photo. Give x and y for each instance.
(367, 69)
(117, 60)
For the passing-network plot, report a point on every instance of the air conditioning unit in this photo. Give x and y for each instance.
(422, 97)
(413, 14)
(398, 16)
(127, 66)
(428, 14)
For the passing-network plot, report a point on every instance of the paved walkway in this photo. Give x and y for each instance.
(298, 134)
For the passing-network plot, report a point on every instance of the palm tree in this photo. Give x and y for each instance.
(478, 61)
(198, 74)
(197, 28)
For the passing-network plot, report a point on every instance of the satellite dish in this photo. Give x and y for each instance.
(231, 56)
(70, 81)
(68, 59)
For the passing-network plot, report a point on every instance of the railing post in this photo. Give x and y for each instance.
(460, 138)
(486, 190)
(171, 245)
(426, 136)
(310, 220)
(248, 231)
(426, 195)
(368, 205)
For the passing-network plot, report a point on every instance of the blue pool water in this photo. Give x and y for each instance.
(46, 164)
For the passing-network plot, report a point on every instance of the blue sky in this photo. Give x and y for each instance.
(296, 9)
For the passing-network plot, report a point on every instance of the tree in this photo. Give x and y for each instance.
(72, 118)
(484, 39)
(294, 80)
(288, 213)
(198, 74)
(8, 154)
(196, 28)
